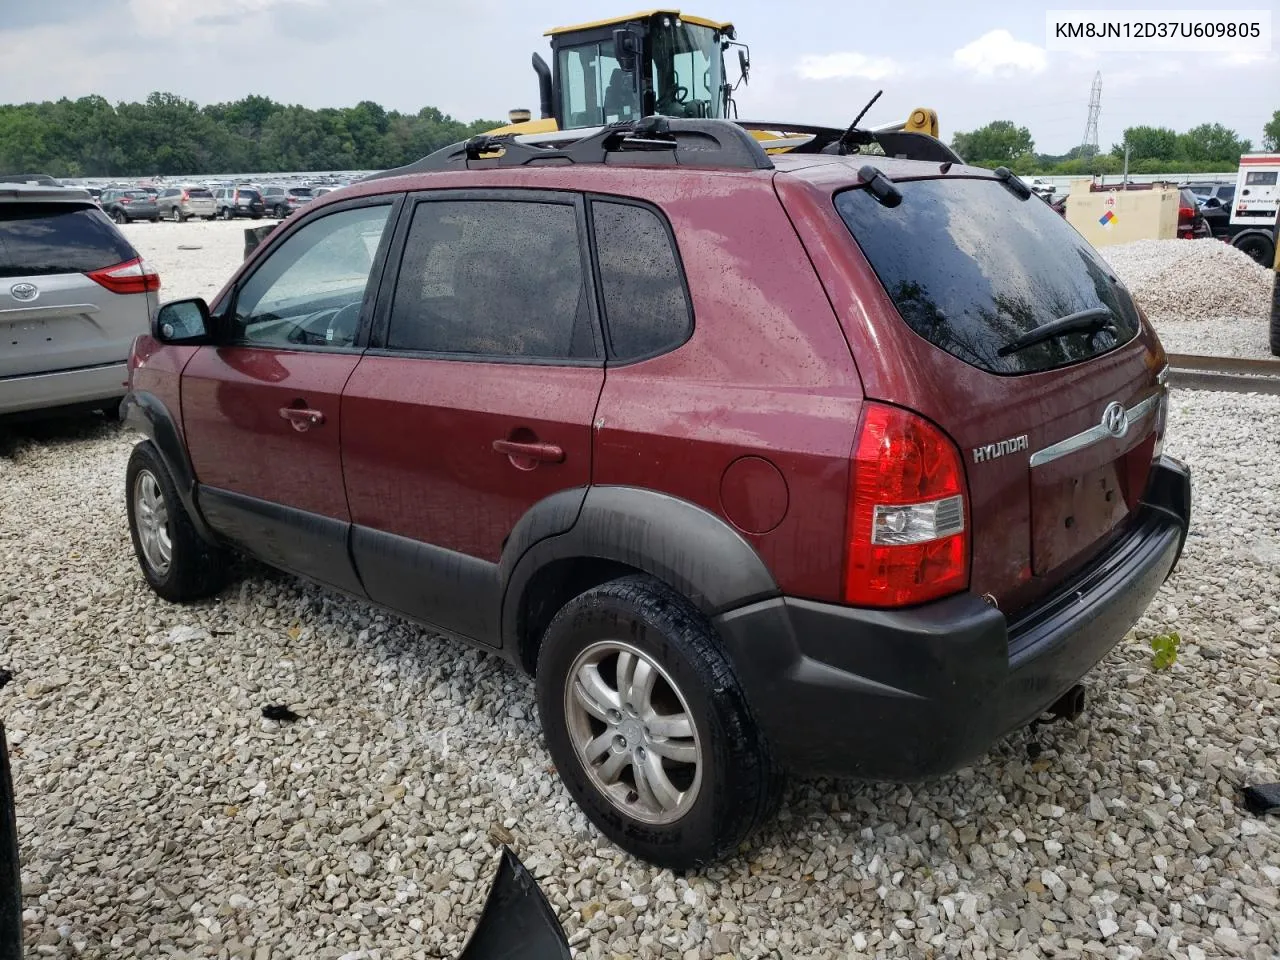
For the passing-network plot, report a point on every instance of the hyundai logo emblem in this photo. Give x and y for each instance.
(1114, 420)
(24, 291)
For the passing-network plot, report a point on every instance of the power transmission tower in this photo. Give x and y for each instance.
(1089, 145)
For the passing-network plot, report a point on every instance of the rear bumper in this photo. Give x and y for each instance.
(64, 388)
(905, 695)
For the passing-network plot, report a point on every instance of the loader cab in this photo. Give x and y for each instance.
(658, 62)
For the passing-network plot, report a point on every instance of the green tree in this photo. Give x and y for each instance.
(1156, 143)
(1212, 143)
(1000, 142)
(1271, 133)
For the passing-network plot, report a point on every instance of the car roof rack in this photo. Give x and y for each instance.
(673, 141)
(655, 140)
(802, 138)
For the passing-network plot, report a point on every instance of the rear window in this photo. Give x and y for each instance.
(971, 267)
(135, 194)
(300, 191)
(47, 238)
(199, 193)
(249, 194)
(1258, 178)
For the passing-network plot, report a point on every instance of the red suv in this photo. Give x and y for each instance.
(809, 462)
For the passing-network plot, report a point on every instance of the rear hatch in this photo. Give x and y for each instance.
(199, 198)
(53, 316)
(1057, 436)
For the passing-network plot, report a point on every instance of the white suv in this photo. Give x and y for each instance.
(73, 296)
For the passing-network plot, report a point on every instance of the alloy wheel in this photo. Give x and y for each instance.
(151, 514)
(633, 732)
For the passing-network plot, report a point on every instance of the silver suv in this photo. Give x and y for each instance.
(73, 296)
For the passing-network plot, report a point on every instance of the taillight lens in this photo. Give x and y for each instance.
(908, 538)
(132, 276)
(185, 196)
(1186, 213)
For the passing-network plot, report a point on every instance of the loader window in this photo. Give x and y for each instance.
(688, 72)
(594, 89)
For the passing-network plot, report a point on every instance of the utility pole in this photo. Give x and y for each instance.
(1126, 165)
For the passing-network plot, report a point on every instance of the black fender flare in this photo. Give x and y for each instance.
(146, 414)
(686, 546)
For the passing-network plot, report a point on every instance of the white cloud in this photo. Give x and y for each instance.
(998, 53)
(846, 66)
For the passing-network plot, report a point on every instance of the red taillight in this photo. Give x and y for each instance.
(125, 200)
(908, 538)
(1185, 213)
(185, 196)
(132, 276)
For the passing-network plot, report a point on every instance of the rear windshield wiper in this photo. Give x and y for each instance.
(1086, 321)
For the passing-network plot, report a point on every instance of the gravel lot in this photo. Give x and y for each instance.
(161, 815)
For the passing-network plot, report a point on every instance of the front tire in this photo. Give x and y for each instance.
(648, 726)
(177, 563)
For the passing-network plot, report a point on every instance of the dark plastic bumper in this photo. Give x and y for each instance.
(911, 694)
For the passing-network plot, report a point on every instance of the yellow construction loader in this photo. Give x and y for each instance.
(654, 62)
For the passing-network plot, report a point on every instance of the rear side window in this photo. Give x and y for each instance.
(493, 278)
(645, 303)
(57, 238)
(971, 268)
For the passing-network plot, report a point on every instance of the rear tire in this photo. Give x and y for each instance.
(1258, 248)
(715, 781)
(279, 212)
(175, 560)
(155, 219)
(119, 217)
(226, 213)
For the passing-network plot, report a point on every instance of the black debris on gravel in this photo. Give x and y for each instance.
(280, 713)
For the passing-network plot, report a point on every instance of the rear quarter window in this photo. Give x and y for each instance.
(38, 239)
(971, 267)
(645, 302)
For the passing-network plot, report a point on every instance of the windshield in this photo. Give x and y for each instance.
(688, 73)
(971, 268)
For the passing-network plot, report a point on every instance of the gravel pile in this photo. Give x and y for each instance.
(1182, 281)
(161, 815)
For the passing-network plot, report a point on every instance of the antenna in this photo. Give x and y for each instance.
(1089, 145)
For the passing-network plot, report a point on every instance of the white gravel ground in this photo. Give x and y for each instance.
(160, 815)
(218, 249)
(1203, 296)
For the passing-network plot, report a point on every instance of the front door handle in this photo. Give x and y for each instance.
(302, 419)
(540, 452)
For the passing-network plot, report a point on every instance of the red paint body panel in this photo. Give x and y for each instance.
(767, 372)
(418, 445)
(156, 368)
(238, 441)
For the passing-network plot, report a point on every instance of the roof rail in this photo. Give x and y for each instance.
(652, 140)
(895, 142)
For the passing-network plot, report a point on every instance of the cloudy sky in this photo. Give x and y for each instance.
(814, 60)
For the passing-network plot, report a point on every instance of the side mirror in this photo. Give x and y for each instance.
(744, 63)
(626, 48)
(183, 321)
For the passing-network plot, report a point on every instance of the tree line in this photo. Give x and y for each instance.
(1205, 148)
(168, 135)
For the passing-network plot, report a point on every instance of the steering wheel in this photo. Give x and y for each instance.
(333, 326)
(679, 94)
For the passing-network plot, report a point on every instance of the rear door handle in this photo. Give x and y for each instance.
(302, 418)
(542, 452)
